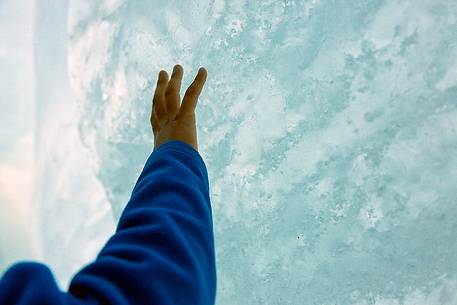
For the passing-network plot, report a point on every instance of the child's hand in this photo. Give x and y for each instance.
(169, 119)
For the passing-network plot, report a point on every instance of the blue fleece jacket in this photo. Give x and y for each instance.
(161, 253)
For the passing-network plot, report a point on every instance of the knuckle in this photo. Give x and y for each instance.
(171, 89)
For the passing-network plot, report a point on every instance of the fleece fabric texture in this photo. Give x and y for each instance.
(162, 251)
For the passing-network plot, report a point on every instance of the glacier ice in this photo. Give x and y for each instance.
(329, 129)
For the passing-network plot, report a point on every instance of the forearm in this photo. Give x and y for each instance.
(162, 251)
(164, 235)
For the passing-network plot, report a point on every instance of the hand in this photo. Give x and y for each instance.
(169, 119)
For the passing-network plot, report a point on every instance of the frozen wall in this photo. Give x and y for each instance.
(329, 129)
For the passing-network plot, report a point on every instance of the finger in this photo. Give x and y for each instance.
(154, 122)
(172, 97)
(158, 102)
(189, 102)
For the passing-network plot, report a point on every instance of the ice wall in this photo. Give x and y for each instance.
(329, 129)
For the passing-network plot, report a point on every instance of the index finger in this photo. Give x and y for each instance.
(190, 99)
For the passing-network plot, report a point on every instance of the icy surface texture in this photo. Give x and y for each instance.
(329, 129)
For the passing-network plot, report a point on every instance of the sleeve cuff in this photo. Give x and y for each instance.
(182, 148)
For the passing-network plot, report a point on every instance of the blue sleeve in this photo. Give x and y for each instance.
(161, 253)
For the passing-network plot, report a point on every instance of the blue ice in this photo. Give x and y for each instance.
(329, 130)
